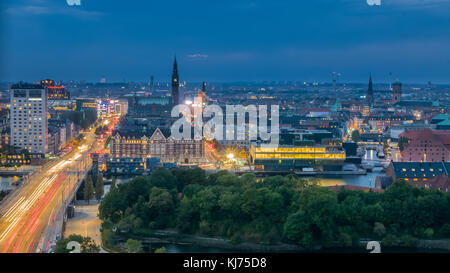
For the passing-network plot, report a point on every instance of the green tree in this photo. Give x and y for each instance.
(113, 206)
(161, 250)
(356, 136)
(133, 246)
(379, 229)
(99, 187)
(88, 189)
(87, 245)
(161, 206)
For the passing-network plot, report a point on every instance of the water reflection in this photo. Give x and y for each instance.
(352, 180)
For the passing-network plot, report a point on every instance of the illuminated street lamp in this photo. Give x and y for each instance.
(230, 156)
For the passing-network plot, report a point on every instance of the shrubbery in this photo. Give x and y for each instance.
(276, 209)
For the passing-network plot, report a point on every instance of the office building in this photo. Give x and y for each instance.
(29, 117)
(292, 158)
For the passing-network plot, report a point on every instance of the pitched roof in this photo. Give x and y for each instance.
(440, 136)
(420, 169)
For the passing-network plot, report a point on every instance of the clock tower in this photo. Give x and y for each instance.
(175, 84)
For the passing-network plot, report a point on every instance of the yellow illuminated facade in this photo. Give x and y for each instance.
(295, 153)
(296, 158)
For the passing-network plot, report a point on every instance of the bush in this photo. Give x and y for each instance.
(204, 228)
(161, 250)
(428, 233)
(444, 231)
(379, 230)
(133, 246)
(408, 241)
(390, 241)
(272, 210)
(345, 239)
(236, 239)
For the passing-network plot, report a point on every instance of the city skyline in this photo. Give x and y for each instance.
(263, 40)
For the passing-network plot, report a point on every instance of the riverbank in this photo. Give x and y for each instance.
(211, 244)
(170, 237)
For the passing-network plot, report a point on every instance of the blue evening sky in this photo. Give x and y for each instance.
(225, 40)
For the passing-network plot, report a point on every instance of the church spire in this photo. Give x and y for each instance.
(175, 84)
(175, 67)
(370, 99)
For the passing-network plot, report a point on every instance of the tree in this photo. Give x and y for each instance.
(133, 246)
(88, 189)
(379, 229)
(161, 250)
(161, 206)
(273, 210)
(356, 136)
(87, 245)
(113, 183)
(99, 187)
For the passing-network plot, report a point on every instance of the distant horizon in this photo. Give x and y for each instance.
(226, 41)
(267, 82)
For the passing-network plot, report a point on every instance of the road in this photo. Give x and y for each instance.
(28, 218)
(85, 222)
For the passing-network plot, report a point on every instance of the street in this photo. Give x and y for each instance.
(28, 219)
(85, 222)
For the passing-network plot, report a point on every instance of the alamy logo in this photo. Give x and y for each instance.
(74, 246)
(374, 2)
(73, 2)
(235, 126)
(374, 246)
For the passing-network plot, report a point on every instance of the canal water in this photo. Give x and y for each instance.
(176, 248)
(367, 180)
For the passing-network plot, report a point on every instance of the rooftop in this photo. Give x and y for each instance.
(24, 85)
(420, 169)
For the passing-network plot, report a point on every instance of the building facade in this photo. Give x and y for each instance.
(29, 117)
(426, 146)
(167, 148)
(291, 158)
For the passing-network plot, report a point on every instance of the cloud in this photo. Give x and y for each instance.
(406, 4)
(197, 56)
(42, 7)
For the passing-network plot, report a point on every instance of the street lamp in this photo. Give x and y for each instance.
(230, 156)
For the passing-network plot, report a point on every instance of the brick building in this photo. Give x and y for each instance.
(160, 145)
(426, 146)
(430, 175)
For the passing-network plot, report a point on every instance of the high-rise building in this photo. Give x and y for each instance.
(47, 82)
(29, 117)
(175, 84)
(396, 92)
(369, 98)
(55, 92)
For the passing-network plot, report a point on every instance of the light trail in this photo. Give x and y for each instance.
(29, 214)
(23, 205)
